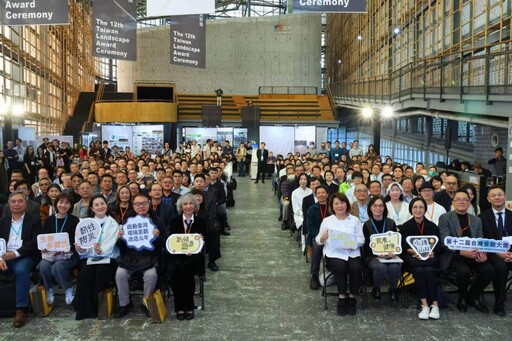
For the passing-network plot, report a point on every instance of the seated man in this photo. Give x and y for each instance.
(144, 261)
(497, 222)
(459, 223)
(19, 229)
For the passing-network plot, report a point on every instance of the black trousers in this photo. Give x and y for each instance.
(463, 266)
(499, 282)
(261, 171)
(341, 268)
(183, 285)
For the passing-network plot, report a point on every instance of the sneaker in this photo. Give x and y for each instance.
(434, 312)
(50, 296)
(425, 311)
(70, 296)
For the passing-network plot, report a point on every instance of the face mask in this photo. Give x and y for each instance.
(291, 177)
(349, 177)
(432, 173)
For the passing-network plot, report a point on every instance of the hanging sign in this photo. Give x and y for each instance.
(188, 41)
(35, 12)
(329, 6)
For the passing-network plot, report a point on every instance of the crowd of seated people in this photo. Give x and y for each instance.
(359, 193)
(186, 190)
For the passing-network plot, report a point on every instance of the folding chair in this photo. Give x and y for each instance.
(328, 280)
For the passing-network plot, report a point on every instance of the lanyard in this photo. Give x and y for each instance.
(324, 213)
(421, 227)
(362, 212)
(397, 212)
(383, 227)
(187, 225)
(122, 213)
(431, 215)
(101, 233)
(17, 233)
(465, 228)
(57, 224)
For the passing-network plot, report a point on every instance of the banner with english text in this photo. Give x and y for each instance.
(188, 41)
(35, 12)
(329, 6)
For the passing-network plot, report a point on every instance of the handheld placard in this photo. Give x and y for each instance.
(480, 244)
(423, 245)
(182, 244)
(87, 233)
(138, 233)
(385, 243)
(3, 246)
(54, 242)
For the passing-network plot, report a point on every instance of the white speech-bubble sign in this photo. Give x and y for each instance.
(87, 233)
(138, 233)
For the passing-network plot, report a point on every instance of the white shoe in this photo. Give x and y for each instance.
(50, 296)
(70, 296)
(434, 313)
(423, 315)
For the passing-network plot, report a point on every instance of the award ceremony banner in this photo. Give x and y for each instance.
(188, 41)
(36, 12)
(329, 6)
(162, 8)
(114, 29)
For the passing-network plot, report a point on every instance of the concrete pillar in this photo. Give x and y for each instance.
(507, 150)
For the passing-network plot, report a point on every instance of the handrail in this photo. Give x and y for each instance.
(470, 75)
(288, 88)
(331, 99)
(99, 95)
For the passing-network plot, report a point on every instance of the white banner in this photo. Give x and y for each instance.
(162, 8)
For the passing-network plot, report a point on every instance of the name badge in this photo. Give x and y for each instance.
(14, 245)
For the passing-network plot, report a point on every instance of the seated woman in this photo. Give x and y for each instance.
(184, 267)
(397, 207)
(342, 261)
(426, 272)
(379, 222)
(122, 208)
(57, 265)
(94, 278)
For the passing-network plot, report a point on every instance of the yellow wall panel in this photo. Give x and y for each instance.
(136, 112)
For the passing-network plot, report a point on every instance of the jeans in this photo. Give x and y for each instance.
(241, 171)
(59, 270)
(21, 267)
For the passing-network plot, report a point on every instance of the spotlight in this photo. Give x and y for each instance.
(387, 112)
(339, 61)
(367, 112)
(359, 37)
(18, 110)
(396, 30)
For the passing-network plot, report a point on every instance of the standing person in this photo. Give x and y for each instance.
(144, 261)
(499, 162)
(426, 272)
(12, 157)
(497, 224)
(458, 223)
(184, 267)
(94, 278)
(241, 153)
(19, 229)
(58, 265)
(262, 155)
(21, 152)
(4, 166)
(355, 150)
(379, 222)
(248, 157)
(29, 165)
(342, 261)
(105, 152)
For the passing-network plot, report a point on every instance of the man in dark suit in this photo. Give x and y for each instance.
(497, 224)
(262, 155)
(20, 229)
(32, 207)
(459, 223)
(212, 237)
(444, 198)
(165, 212)
(105, 152)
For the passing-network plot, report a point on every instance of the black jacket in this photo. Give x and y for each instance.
(29, 232)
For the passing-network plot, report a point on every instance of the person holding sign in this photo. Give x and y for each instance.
(184, 267)
(133, 259)
(426, 272)
(458, 223)
(58, 264)
(342, 236)
(497, 222)
(97, 264)
(19, 229)
(379, 223)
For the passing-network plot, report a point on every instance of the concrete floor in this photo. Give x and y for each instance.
(261, 293)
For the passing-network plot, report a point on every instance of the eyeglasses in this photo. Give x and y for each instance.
(141, 204)
(451, 183)
(461, 200)
(361, 191)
